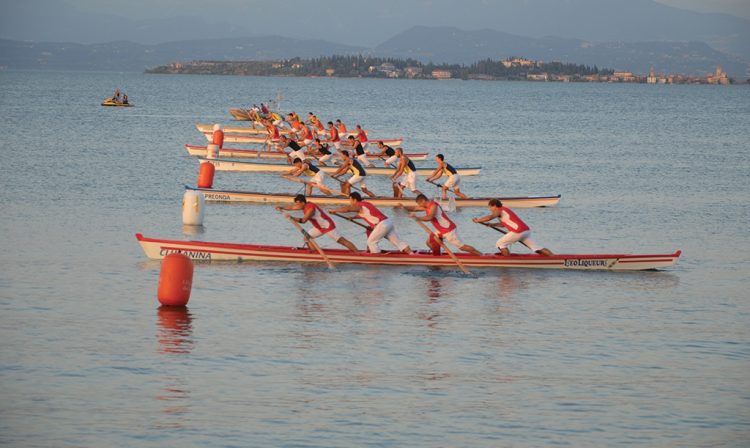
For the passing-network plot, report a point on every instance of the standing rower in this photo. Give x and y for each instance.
(358, 175)
(306, 135)
(341, 127)
(322, 223)
(361, 136)
(381, 226)
(454, 179)
(335, 137)
(317, 176)
(405, 175)
(445, 228)
(517, 229)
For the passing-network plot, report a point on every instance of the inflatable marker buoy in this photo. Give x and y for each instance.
(193, 203)
(175, 280)
(218, 136)
(206, 175)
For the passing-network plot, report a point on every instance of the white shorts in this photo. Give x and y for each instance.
(384, 230)
(391, 160)
(364, 160)
(307, 142)
(512, 237)
(297, 154)
(315, 233)
(453, 181)
(357, 179)
(452, 238)
(337, 145)
(409, 180)
(319, 178)
(325, 158)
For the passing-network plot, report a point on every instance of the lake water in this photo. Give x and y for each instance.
(300, 356)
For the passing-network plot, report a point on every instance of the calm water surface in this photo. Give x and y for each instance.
(289, 355)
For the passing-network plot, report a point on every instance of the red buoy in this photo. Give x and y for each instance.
(218, 138)
(175, 280)
(206, 175)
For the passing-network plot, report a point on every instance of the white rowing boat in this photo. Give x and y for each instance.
(234, 153)
(261, 167)
(212, 251)
(215, 195)
(263, 139)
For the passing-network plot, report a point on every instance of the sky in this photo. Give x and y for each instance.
(218, 9)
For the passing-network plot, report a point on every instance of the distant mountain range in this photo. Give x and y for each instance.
(427, 44)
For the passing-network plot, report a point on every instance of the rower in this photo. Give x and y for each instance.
(359, 151)
(361, 136)
(297, 152)
(381, 226)
(387, 153)
(341, 127)
(517, 229)
(315, 122)
(335, 137)
(273, 133)
(317, 176)
(445, 228)
(454, 179)
(358, 175)
(322, 223)
(322, 152)
(306, 134)
(405, 175)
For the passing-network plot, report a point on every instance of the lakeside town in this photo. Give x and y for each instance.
(512, 68)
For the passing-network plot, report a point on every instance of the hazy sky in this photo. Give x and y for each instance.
(218, 9)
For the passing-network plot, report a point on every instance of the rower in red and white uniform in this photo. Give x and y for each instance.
(306, 135)
(334, 136)
(454, 179)
(381, 226)
(405, 175)
(317, 176)
(358, 175)
(359, 151)
(273, 133)
(517, 229)
(361, 136)
(341, 127)
(322, 223)
(445, 229)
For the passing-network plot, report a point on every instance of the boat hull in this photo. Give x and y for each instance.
(246, 130)
(234, 153)
(262, 139)
(213, 195)
(260, 167)
(212, 251)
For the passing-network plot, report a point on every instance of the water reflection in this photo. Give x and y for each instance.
(175, 333)
(175, 336)
(193, 231)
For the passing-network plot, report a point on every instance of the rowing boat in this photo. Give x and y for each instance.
(211, 251)
(239, 114)
(214, 195)
(205, 127)
(262, 139)
(235, 165)
(233, 153)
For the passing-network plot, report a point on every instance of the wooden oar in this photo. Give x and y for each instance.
(350, 219)
(327, 191)
(445, 248)
(308, 239)
(504, 232)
